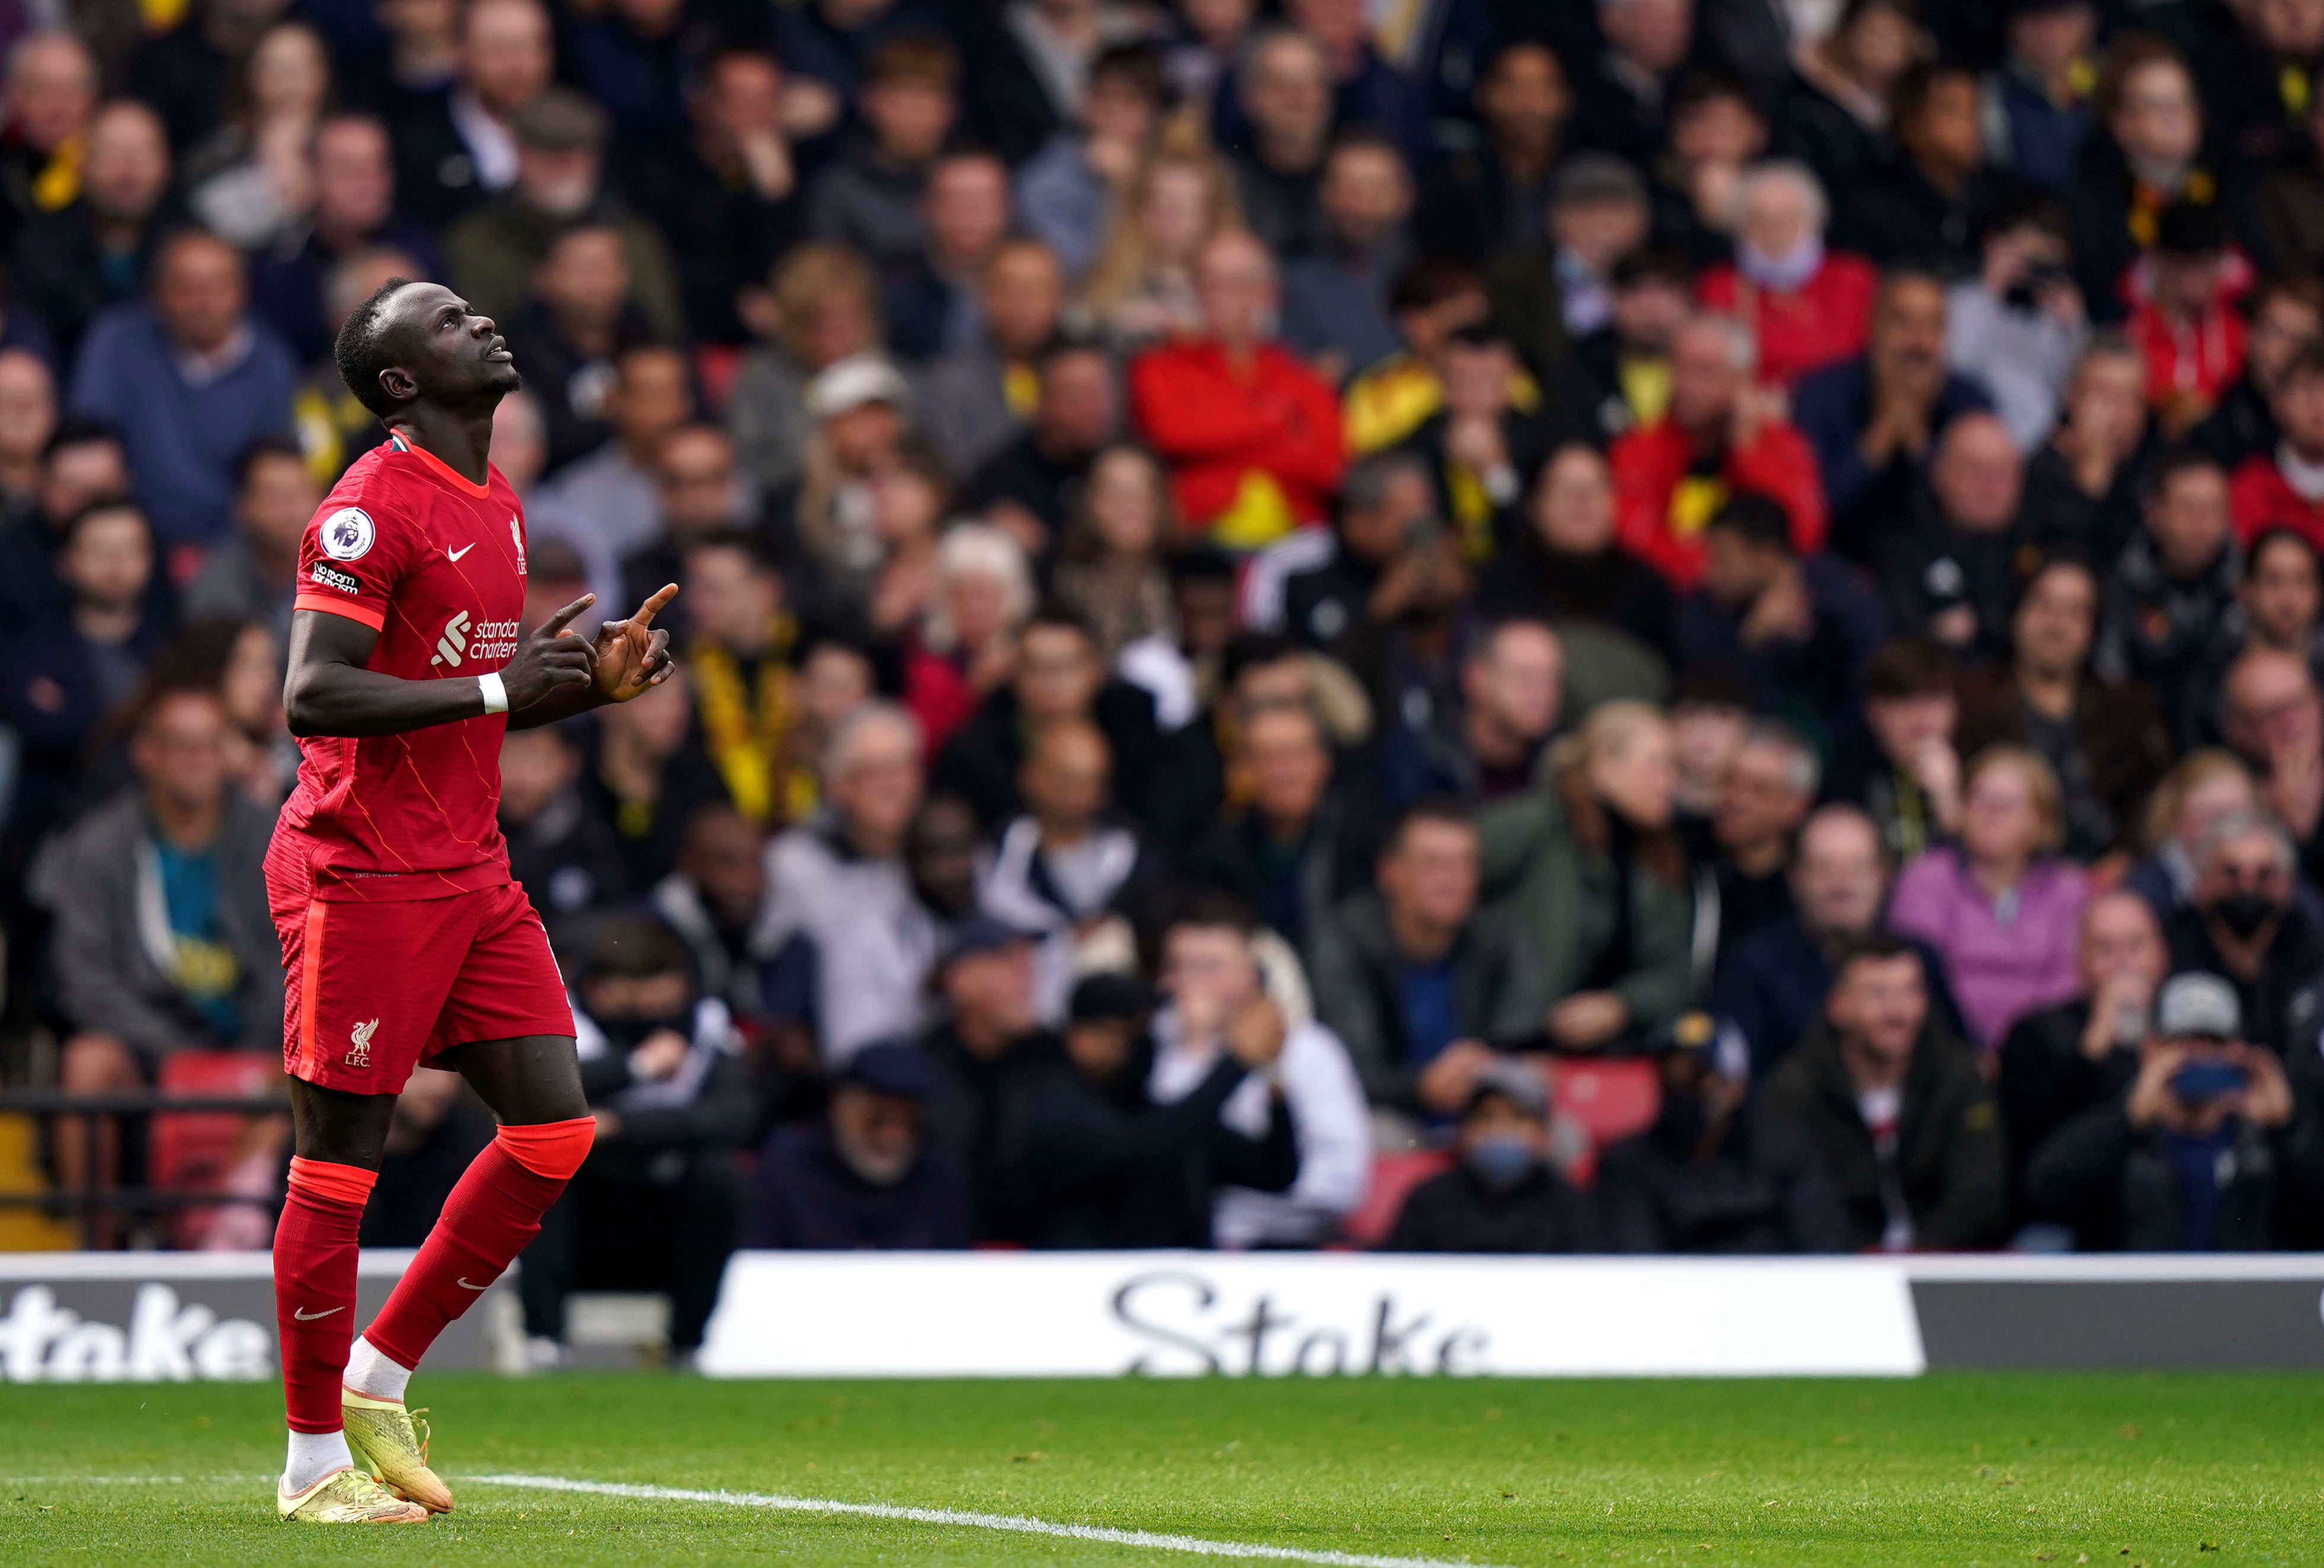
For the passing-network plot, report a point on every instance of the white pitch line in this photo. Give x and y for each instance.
(1016, 1523)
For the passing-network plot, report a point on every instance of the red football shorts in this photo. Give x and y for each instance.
(371, 991)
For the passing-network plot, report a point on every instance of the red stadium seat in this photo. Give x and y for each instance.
(1610, 1100)
(1393, 1177)
(716, 366)
(195, 1150)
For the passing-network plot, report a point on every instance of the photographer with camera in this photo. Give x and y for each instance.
(2189, 1157)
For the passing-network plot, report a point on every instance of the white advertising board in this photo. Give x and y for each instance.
(1189, 1313)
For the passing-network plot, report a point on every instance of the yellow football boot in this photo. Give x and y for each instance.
(347, 1497)
(392, 1443)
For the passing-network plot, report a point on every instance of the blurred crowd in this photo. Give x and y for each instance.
(1257, 583)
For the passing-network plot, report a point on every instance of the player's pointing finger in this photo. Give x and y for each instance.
(654, 606)
(563, 618)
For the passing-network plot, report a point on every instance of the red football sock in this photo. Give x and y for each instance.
(493, 1211)
(315, 1286)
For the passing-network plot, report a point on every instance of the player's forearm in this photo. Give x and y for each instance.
(563, 703)
(342, 699)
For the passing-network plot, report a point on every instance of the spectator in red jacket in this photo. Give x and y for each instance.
(1807, 306)
(2284, 488)
(2185, 298)
(1250, 435)
(1719, 435)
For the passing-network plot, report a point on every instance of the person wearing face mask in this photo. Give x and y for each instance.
(658, 1206)
(1807, 306)
(1709, 1176)
(2195, 1154)
(1504, 1195)
(2245, 926)
(864, 1177)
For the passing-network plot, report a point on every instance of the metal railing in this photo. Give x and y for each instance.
(92, 1201)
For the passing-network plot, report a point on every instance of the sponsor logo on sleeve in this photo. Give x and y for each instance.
(330, 577)
(347, 534)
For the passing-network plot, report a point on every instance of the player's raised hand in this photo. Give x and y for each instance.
(631, 655)
(551, 657)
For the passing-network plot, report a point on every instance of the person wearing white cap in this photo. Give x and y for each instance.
(2197, 1155)
(859, 405)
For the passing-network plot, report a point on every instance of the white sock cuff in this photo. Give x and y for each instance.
(371, 1372)
(312, 1456)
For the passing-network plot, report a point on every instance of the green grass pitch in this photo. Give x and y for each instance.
(1949, 1469)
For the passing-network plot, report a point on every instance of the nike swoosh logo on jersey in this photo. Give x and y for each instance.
(464, 549)
(303, 1315)
(463, 1284)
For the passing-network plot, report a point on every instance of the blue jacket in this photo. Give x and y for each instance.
(184, 440)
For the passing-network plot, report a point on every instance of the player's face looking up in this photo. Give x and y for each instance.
(445, 353)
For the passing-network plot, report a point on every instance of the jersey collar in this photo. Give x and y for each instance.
(451, 475)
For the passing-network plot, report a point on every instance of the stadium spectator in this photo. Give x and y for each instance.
(1283, 85)
(965, 651)
(986, 1035)
(1905, 769)
(567, 861)
(1489, 441)
(1768, 789)
(659, 1203)
(572, 329)
(2000, 907)
(1568, 564)
(2016, 327)
(1485, 745)
(1805, 306)
(865, 1176)
(1099, 1163)
(984, 387)
(1618, 377)
(253, 180)
(868, 199)
(50, 90)
(2277, 605)
(2081, 488)
(826, 304)
(2144, 151)
(1480, 199)
(1920, 206)
(1335, 310)
(2172, 589)
(437, 1128)
(1251, 436)
(646, 777)
(2105, 742)
(353, 211)
(455, 148)
(930, 296)
(2184, 295)
(1593, 877)
(1561, 288)
(1711, 1176)
(191, 381)
(1896, 1110)
(1718, 435)
(1948, 573)
(251, 573)
(79, 462)
(1799, 630)
(2190, 1155)
(160, 942)
(1213, 967)
(1718, 129)
(83, 658)
(1620, 101)
(2059, 1061)
(1289, 851)
(1874, 418)
(614, 490)
(2038, 98)
(2287, 315)
(1071, 193)
(2274, 487)
(2200, 788)
(496, 249)
(2246, 926)
(1412, 977)
(94, 251)
(1110, 570)
(28, 418)
(1504, 1195)
(1033, 484)
(1141, 287)
(1832, 113)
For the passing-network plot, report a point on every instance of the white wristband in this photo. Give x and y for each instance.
(496, 693)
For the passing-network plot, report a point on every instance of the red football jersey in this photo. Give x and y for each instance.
(436, 565)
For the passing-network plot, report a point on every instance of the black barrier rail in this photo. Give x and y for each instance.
(91, 1201)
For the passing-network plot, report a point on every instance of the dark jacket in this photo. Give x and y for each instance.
(980, 762)
(63, 278)
(1832, 408)
(1895, 216)
(1292, 887)
(1471, 207)
(1928, 565)
(1356, 974)
(964, 1119)
(2123, 1190)
(1949, 1163)
(2158, 629)
(1456, 1213)
(1815, 682)
(807, 1198)
(2125, 744)
(1771, 982)
(2272, 1004)
(1764, 1191)
(1612, 587)
(1086, 1168)
(113, 972)
(2045, 1081)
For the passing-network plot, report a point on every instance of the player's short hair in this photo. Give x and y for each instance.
(362, 349)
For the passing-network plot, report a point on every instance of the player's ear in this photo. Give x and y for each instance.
(397, 383)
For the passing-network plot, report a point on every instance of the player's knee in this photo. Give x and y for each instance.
(96, 1064)
(553, 1149)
